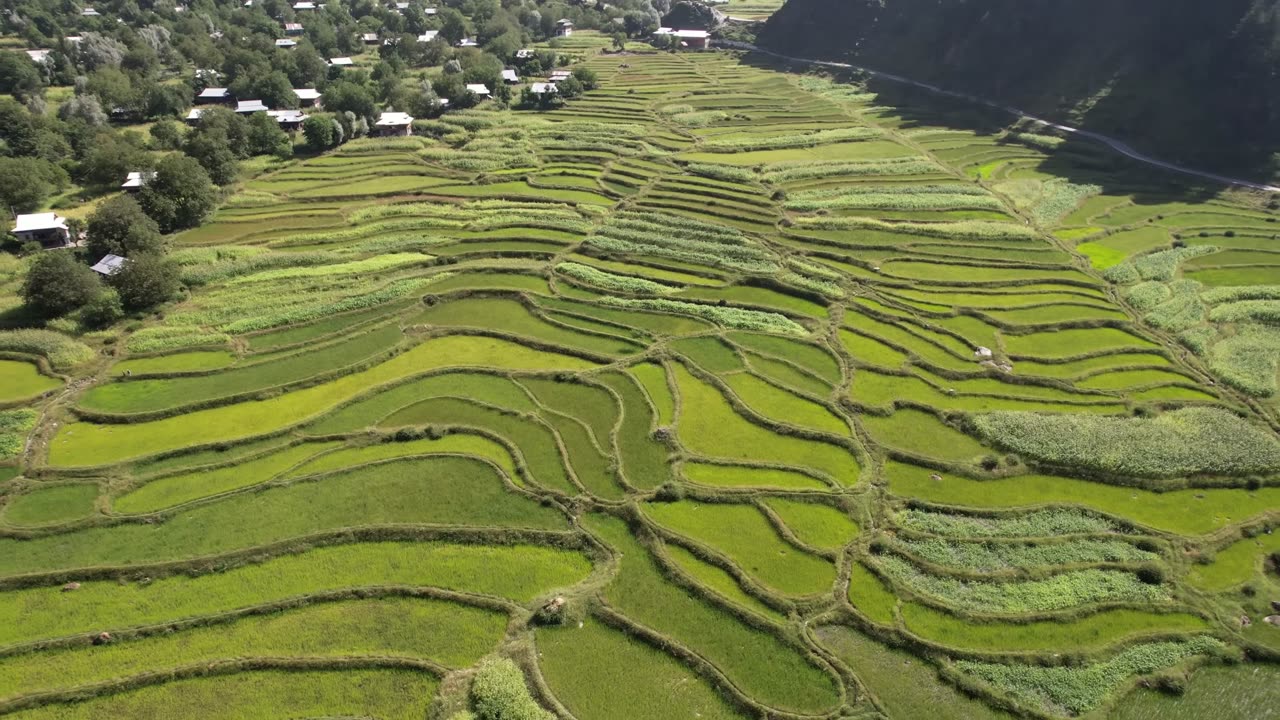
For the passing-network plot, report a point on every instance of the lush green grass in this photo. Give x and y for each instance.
(709, 426)
(737, 476)
(22, 380)
(1237, 692)
(510, 316)
(923, 434)
(717, 579)
(1189, 512)
(653, 378)
(91, 444)
(784, 407)
(643, 458)
(451, 490)
(1091, 632)
(597, 671)
(1235, 564)
(816, 524)
(869, 594)
(375, 406)
(194, 361)
(742, 533)
(907, 686)
(51, 504)
(458, 443)
(449, 633)
(389, 694)
(772, 672)
(518, 572)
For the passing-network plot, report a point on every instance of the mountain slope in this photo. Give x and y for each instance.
(1192, 81)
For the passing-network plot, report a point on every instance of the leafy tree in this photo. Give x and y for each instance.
(18, 75)
(345, 96)
(166, 135)
(112, 86)
(98, 50)
(56, 284)
(120, 227)
(453, 25)
(266, 138)
(163, 101)
(318, 131)
(108, 159)
(180, 194)
(104, 309)
(25, 183)
(587, 77)
(570, 87)
(85, 108)
(146, 281)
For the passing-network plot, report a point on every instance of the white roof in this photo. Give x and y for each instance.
(215, 93)
(467, 42)
(428, 36)
(394, 119)
(478, 88)
(287, 116)
(195, 113)
(524, 53)
(341, 61)
(286, 42)
(369, 37)
(248, 106)
(687, 34)
(138, 179)
(74, 39)
(293, 26)
(90, 12)
(307, 93)
(402, 6)
(560, 75)
(109, 265)
(39, 221)
(543, 88)
(304, 6)
(38, 55)
(565, 21)
(510, 75)
(428, 11)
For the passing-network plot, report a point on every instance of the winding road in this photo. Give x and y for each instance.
(1116, 145)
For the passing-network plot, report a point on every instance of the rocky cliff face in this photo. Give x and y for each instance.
(1194, 81)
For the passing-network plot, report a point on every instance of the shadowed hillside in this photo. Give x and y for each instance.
(1192, 81)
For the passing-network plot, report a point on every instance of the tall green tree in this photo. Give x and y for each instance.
(146, 281)
(180, 195)
(120, 227)
(57, 284)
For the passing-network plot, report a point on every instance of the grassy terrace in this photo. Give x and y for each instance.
(807, 402)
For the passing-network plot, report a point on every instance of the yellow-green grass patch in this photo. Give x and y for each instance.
(816, 524)
(869, 594)
(511, 316)
(49, 504)
(718, 580)
(595, 671)
(448, 633)
(922, 434)
(92, 444)
(1187, 512)
(20, 380)
(1234, 564)
(743, 534)
(444, 490)
(455, 444)
(750, 477)
(653, 378)
(1071, 343)
(784, 407)
(708, 425)
(195, 361)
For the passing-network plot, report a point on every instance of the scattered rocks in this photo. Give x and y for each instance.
(1275, 605)
(1272, 619)
(1245, 621)
(935, 477)
(71, 586)
(102, 638)
(983, 353)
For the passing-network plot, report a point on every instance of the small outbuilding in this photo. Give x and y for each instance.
(543, 88)
(468, 42)
(109, 265)
(304, 5)
(479, 89)
(690, 39)
(341, 62)
(510, 76)
(559, 75)
(213, 95)
(90, 12)
(39, 56)
(250, 106)
(392, 124)
(307, 97)
(134, 181)
(286, 43)
(293, 28)
(48, 229)
(564, 28)
(369, 38)
(194, 115)
(428, 36)
(289, 120)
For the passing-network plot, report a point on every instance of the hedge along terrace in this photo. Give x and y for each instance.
(92, 444)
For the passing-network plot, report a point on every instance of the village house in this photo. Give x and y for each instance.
(690, 39)
(48, 229)
(213, 95)
(289, 120)
(510, 76)
(558, 75)
(429, 11)
(543, 88)
(341, 62)
(193, 116)
(90, 12)
(304, 6)
(250, 106)
(286, 43)
(564, 28)
(134, 181)
(428, 36)
(468, 42)
(293, 28)
(73, 39)
(524, 54)
(369, 38)
(479, 90)
(39, 56)
(307, 97)
(391, 124)
(109, 265)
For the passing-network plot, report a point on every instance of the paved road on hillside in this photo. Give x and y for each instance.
(1117, 145)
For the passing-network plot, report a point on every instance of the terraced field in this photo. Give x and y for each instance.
(720, 392)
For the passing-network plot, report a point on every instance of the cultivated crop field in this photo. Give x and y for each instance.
(720, 392)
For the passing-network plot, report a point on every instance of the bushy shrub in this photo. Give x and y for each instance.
(498, 692)
(61, 351)
(57, 284)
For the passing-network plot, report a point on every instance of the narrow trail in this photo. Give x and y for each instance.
(1116, 145)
